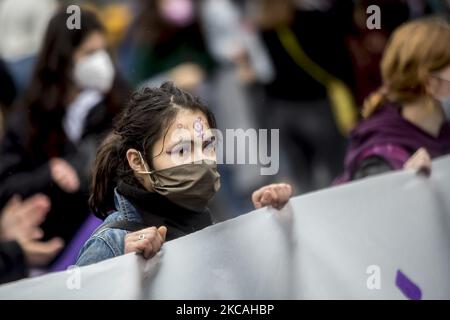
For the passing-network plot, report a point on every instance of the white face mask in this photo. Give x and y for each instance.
(95, 71)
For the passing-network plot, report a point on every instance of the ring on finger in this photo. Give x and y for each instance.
(141, 236)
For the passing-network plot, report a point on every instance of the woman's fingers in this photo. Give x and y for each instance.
(269, 197)
(146, 241)
(284, 193)
(64, 175)
(162, 231)
(152, 244)
(420, 162)
(21, 218)
(74, 183)
(39, 253)
(135, 235)
(136, 245)
(35, 209)
(36, 234)
(146, 248)
(275, 195)
(257, 197)
(13, 203)
(69, 180)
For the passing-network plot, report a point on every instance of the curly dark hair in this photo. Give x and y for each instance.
(144, 121)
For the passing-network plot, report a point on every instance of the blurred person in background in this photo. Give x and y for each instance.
(7, 93)
(366, 45)
(20, 245)
(405, 119)
(115, 16)
(243, 65)
(306, 41)
(165, 42)
(50, 140)
(22, 28)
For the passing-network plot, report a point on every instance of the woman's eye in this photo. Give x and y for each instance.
(209, 145)
(181, 150)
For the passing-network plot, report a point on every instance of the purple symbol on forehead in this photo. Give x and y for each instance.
(409, 288)
(198, 127)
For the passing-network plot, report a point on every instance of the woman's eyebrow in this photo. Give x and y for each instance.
(208, 136)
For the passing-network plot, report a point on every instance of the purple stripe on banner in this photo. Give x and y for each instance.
(70, 254)
(409, 288)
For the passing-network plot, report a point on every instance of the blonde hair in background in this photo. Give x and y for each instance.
(415, 50)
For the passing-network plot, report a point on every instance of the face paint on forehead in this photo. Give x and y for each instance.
(199, 128)
(177, 136)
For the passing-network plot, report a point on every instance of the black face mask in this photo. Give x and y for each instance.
(191, 185)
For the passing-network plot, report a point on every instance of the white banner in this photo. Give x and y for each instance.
(386, 237)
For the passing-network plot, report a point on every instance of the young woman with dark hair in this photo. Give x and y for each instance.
(155, 174)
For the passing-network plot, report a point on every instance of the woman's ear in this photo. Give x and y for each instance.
(135, 161)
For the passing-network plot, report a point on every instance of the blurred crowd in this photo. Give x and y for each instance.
(302, 66)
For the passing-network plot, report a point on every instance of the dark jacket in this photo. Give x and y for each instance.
(8, 89)
(149, 209)
(12, 262)
(318, 33)
(25, 170)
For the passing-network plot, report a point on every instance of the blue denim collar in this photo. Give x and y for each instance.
(125, 209)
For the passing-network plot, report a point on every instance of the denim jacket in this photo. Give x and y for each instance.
(108, 243)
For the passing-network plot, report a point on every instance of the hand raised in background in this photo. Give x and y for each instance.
(20, 221)
(64, 175)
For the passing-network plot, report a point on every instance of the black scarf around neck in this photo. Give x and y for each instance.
(156, 210)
